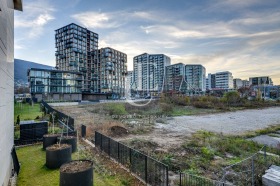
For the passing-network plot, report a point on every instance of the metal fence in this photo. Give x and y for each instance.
(147, 169)
(250, 170)
(59, 115)
(193, 180)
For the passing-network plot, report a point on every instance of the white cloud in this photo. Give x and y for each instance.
(35, 17)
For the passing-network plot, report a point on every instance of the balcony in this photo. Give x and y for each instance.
(82, 69)
(73, 63)
(94, 78)
(109, 68)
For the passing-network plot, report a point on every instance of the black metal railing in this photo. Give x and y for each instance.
(147, 169)
(59, 115)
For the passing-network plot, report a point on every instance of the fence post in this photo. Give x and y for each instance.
(253, 174)
(180, 179)
(130, 159)
(265, 159)
(167, 178)
(146, 169)
(118, 151)
(101, 146)
(109, 147)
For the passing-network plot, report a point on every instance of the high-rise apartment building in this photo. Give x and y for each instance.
(265, 80)
(110, 72)
(149, 73)
(77, 50)
(211, 81)
(224, 80)
(7, 8)
(175, 78)
(195, 76)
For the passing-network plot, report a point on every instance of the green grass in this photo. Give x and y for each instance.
(34, 172)
(26, 111)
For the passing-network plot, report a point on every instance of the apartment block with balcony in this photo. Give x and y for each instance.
(77, 50)
(7, 8)
(224, 80)
(149, 73)
(110, 72)
(55, 84)
(195, 77)
(175, 78)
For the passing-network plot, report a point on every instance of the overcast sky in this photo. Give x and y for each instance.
(241, 36)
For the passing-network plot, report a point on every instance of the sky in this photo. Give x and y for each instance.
(240, 36)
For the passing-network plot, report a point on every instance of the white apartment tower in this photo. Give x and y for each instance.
(149, 73)
(224, 80)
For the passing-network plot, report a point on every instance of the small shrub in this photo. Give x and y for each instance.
(115, 108)
(207, 153)
(18, 120)
(166, 108)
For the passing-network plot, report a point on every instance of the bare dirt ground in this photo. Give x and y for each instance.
(174, 131)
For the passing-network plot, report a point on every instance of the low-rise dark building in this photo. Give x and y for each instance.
(55, 85)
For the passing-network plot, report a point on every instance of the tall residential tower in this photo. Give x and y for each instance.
(149, 73)
(77, 50)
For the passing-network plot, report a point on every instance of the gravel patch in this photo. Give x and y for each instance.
(227, 123)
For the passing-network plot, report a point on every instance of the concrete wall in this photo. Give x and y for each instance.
(58, 97)
(94, 97)
(6, 90)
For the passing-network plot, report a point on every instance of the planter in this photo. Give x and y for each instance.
(49, 139)
(71, 140)
(77, 173)
(57, 155)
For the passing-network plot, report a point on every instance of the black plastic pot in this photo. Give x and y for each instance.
(71, 140)
(55, 157)
(49, 139)
(76, 176)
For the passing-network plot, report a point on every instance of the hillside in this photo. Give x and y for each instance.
(21, 67)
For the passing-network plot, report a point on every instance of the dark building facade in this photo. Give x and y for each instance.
(175, 78)
(111, 71)
(77, 50)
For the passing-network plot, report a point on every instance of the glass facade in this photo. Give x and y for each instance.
(54, 81)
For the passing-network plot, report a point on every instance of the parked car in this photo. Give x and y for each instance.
(148, 97)
(122, 98)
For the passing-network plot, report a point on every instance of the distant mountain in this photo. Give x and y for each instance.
(21, 67)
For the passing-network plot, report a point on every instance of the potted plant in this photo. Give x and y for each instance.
(50, 139)
(77, 173)
(71, 140)
(58, 154)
